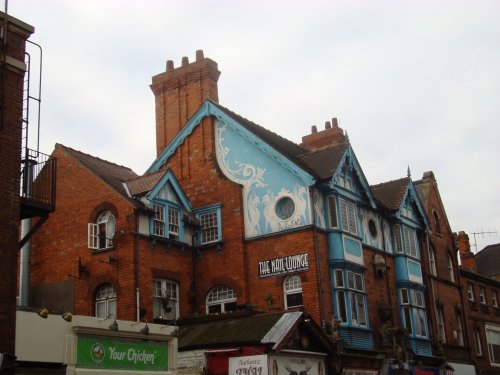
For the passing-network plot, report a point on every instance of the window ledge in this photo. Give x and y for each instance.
(168, 241)
(355, 328)
(217, 244)
(104, 250)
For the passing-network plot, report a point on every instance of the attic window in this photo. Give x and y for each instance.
(372, 227)
(285, 207)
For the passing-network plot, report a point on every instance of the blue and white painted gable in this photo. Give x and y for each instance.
(266, 176)
(349, 185)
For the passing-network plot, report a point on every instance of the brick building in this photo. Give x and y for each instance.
(231, 216)
(482, 309)
(16, 157)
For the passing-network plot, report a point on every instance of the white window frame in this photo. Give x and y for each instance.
(450, 268)
(494, 298)
(357, 299)
(460, 332)
(163, 290)
(292, 286)
(398, 242)
(440, 325)
(102, 232)
(348, 216)
(174, 224)
(414, 313)
(482, 295)
(105, 297)
(432, 261)
(470, 291)
(493, 339)
(221, 296)
(332, 211)
(410, 241)
(209, 223)
(477, 341)
(159, 220)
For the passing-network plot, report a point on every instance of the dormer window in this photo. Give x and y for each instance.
(166, 222)
(348, 216)
(406, 241)
(101, 233)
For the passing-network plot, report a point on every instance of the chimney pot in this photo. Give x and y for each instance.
(185, 61)
(314, 129)
(328, 125)
(335, 123)
(170, 65)
(199, 55)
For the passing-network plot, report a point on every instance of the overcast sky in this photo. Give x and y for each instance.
(414, 83)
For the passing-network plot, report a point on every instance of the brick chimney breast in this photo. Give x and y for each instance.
(332, 136)
(467, 257)
(179, 92)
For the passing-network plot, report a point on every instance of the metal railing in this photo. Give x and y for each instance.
(38, 178)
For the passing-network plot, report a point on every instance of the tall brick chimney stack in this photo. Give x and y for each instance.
(467, 258)
(332, 136)
(179, 92)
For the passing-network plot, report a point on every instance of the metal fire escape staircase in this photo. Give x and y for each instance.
(38, 170)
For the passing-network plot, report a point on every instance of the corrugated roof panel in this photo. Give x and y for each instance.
(278, 332)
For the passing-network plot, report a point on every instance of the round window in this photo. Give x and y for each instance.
(284, 208)
(372, 227)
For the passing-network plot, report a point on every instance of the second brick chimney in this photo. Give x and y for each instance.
(467, 258)
(179, 92)
(332, 136)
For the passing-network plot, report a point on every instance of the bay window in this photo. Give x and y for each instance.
(350, 297)
(413, 312)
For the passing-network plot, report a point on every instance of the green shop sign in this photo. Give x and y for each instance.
(97, 352)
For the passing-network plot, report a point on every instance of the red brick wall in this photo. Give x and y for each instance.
(442, 292)
(63, 238)
(11, 86)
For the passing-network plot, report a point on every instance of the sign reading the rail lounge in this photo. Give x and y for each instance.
(284, 265)
(97, 352)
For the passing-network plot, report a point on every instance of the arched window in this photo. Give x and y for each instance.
(105, 301)
(437, 224)
(292, 288)
(432, 261)
(221, 299)
(101, 233)
(450, 268)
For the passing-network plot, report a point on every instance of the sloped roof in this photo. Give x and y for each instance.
(488, 260)
(112, 174)
(324, 162)
(145, 183)
(390, 194)
(321, 163)
(246, 330)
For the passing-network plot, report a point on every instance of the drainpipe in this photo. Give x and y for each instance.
(25, 270)
(316, 255)
(136, 263)
(388, 284)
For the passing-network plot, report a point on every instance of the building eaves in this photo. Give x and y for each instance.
(112, 174)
